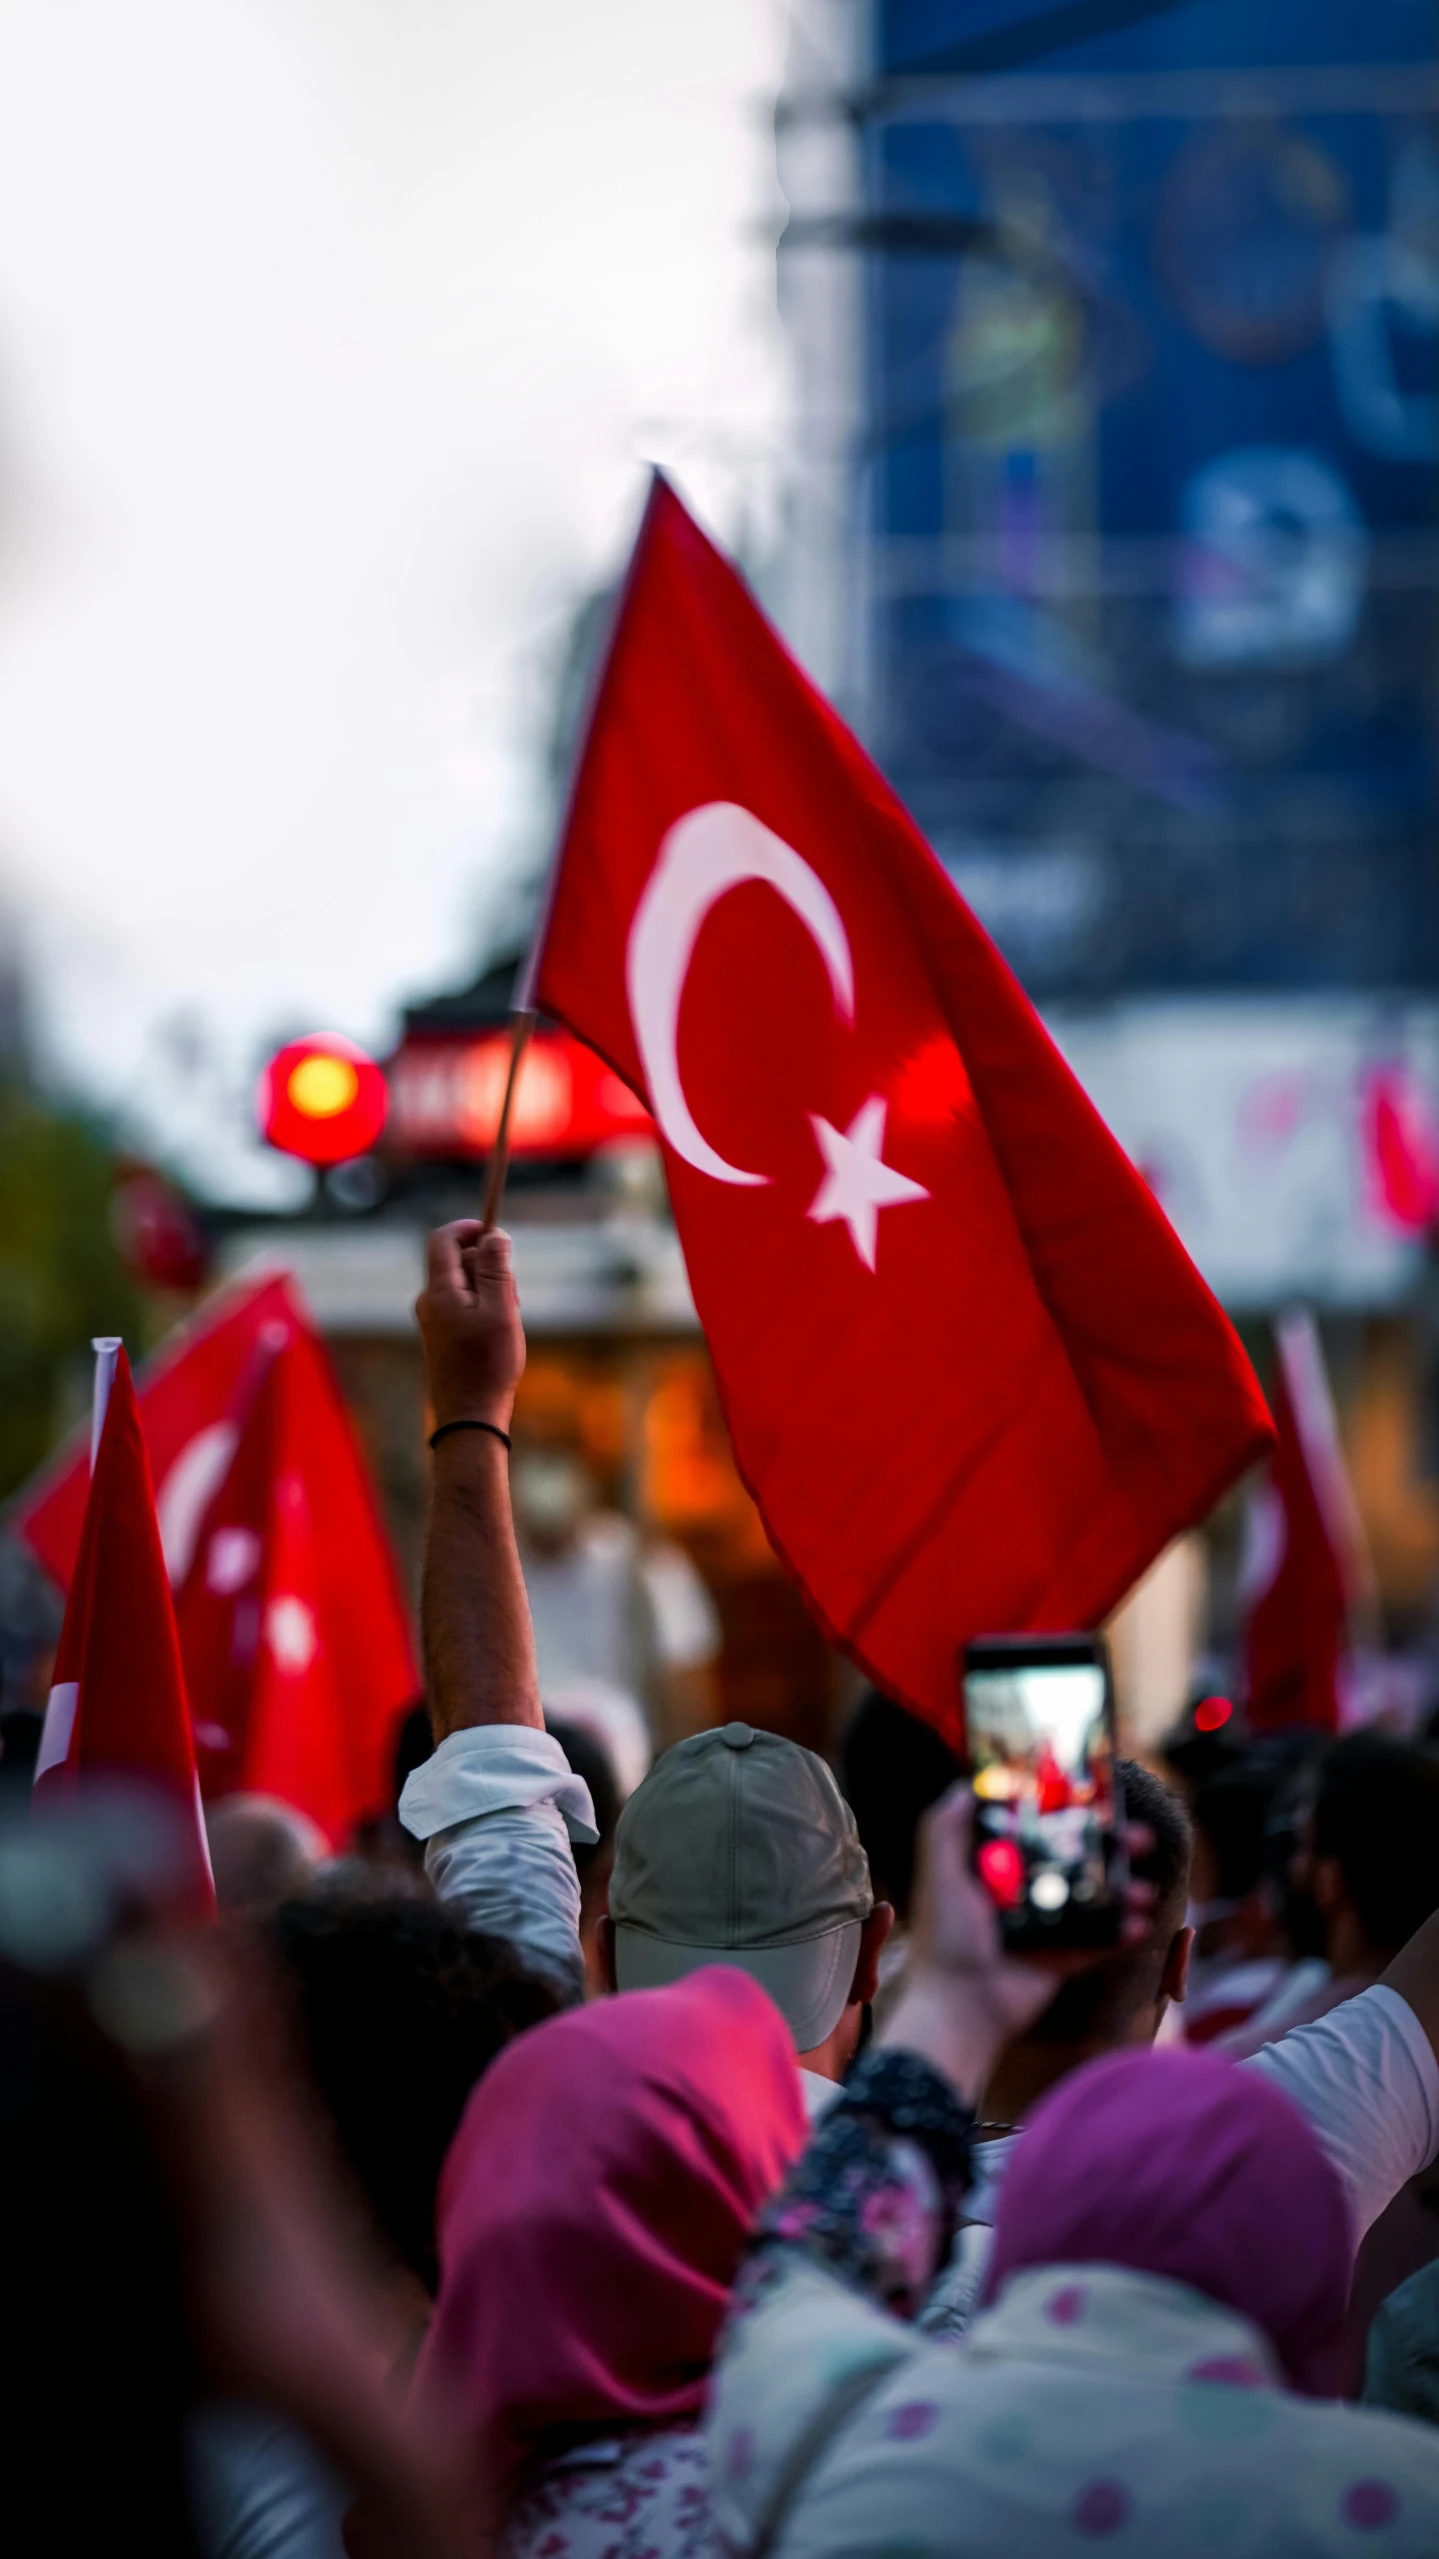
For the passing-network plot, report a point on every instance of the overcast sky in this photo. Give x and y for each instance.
(332, 336)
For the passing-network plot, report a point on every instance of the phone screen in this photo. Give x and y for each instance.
(1040, 1721)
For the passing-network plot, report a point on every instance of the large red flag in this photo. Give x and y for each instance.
(1305, 1564)
(197, 1405)
(117, 1707)
(971, 1376)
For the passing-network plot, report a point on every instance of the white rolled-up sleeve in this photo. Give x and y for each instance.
(497, 1807)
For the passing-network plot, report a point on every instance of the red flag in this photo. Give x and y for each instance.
(1305, 1563)
(117, 1707)
(258, 1622)
(198, 1400)
(1401, 1159)
(186, 1393)
(971, 1377)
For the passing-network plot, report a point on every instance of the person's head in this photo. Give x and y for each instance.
(893, 1767)
(1209, 1737)
(400, 2009)
(594, 2210)
(1230, 1812)
(414, 1744)
(553, 1491)
(1374, 1848)
(1121, 2000)
(594, 1859)
(260, 1850)
(740, 1849)
(1180, 2165)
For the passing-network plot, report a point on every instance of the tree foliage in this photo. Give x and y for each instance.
(61, 1279)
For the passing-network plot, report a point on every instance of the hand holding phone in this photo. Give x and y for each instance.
(1049, 1823)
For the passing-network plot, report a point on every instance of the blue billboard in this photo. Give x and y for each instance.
(1150, 479)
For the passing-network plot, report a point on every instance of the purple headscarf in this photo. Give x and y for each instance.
(1186, 2165)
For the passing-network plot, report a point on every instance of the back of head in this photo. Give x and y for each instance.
(1181, 2165)
(740, 1849)
(401, 2009)
(260, 1850)
(1102, 2007)
(893, 1768)
(1376, 1813)
(594, 2209)
(1230, 1814)
(590, 1760)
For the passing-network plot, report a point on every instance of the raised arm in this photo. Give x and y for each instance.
(479, 1644)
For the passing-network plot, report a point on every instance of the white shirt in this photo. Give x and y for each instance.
(1364, 2077)
(613, 1609)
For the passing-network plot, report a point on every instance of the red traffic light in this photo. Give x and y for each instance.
(322, 1099)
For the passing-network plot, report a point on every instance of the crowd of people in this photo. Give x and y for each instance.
(615, 2170)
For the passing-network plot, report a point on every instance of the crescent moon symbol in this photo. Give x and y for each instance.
(703, 854)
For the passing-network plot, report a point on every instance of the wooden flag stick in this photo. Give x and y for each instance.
(521, 1025)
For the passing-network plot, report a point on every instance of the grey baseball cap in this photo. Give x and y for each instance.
(738, 1848)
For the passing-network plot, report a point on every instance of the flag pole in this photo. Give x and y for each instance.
(106, 1347)
(521, 1025)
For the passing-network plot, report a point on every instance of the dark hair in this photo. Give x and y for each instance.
(1376, 1811)
(99, 2370)
(401, 2009)
(892, 1768)
(590, 1760)
(414, 1744)
(1098, 2006)
(1231, 1813)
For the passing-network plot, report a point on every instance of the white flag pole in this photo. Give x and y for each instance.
(106, 1347)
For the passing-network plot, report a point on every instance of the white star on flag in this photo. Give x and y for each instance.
(857, 1182)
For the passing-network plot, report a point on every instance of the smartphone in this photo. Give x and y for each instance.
(1049, 1822)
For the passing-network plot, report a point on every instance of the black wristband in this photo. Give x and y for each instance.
(492, 1427)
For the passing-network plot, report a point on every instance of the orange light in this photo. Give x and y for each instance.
(1211, 1714)
(323, 1100)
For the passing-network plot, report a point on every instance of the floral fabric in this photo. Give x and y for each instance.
(646, 2497)
(878, 2193)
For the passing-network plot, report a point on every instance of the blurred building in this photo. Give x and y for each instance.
(1116, 534)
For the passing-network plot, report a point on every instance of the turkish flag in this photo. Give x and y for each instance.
(221, 1450)
(972, 1379)
(1304, 1562)
(186, 1393)
(117, 1707)
(257, 1623)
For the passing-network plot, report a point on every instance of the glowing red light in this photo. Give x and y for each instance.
(1211, 1713)
(323, 1100)
(1001, 1871)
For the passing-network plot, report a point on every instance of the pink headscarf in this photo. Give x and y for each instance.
(1186, 2165)
(594, 2208)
